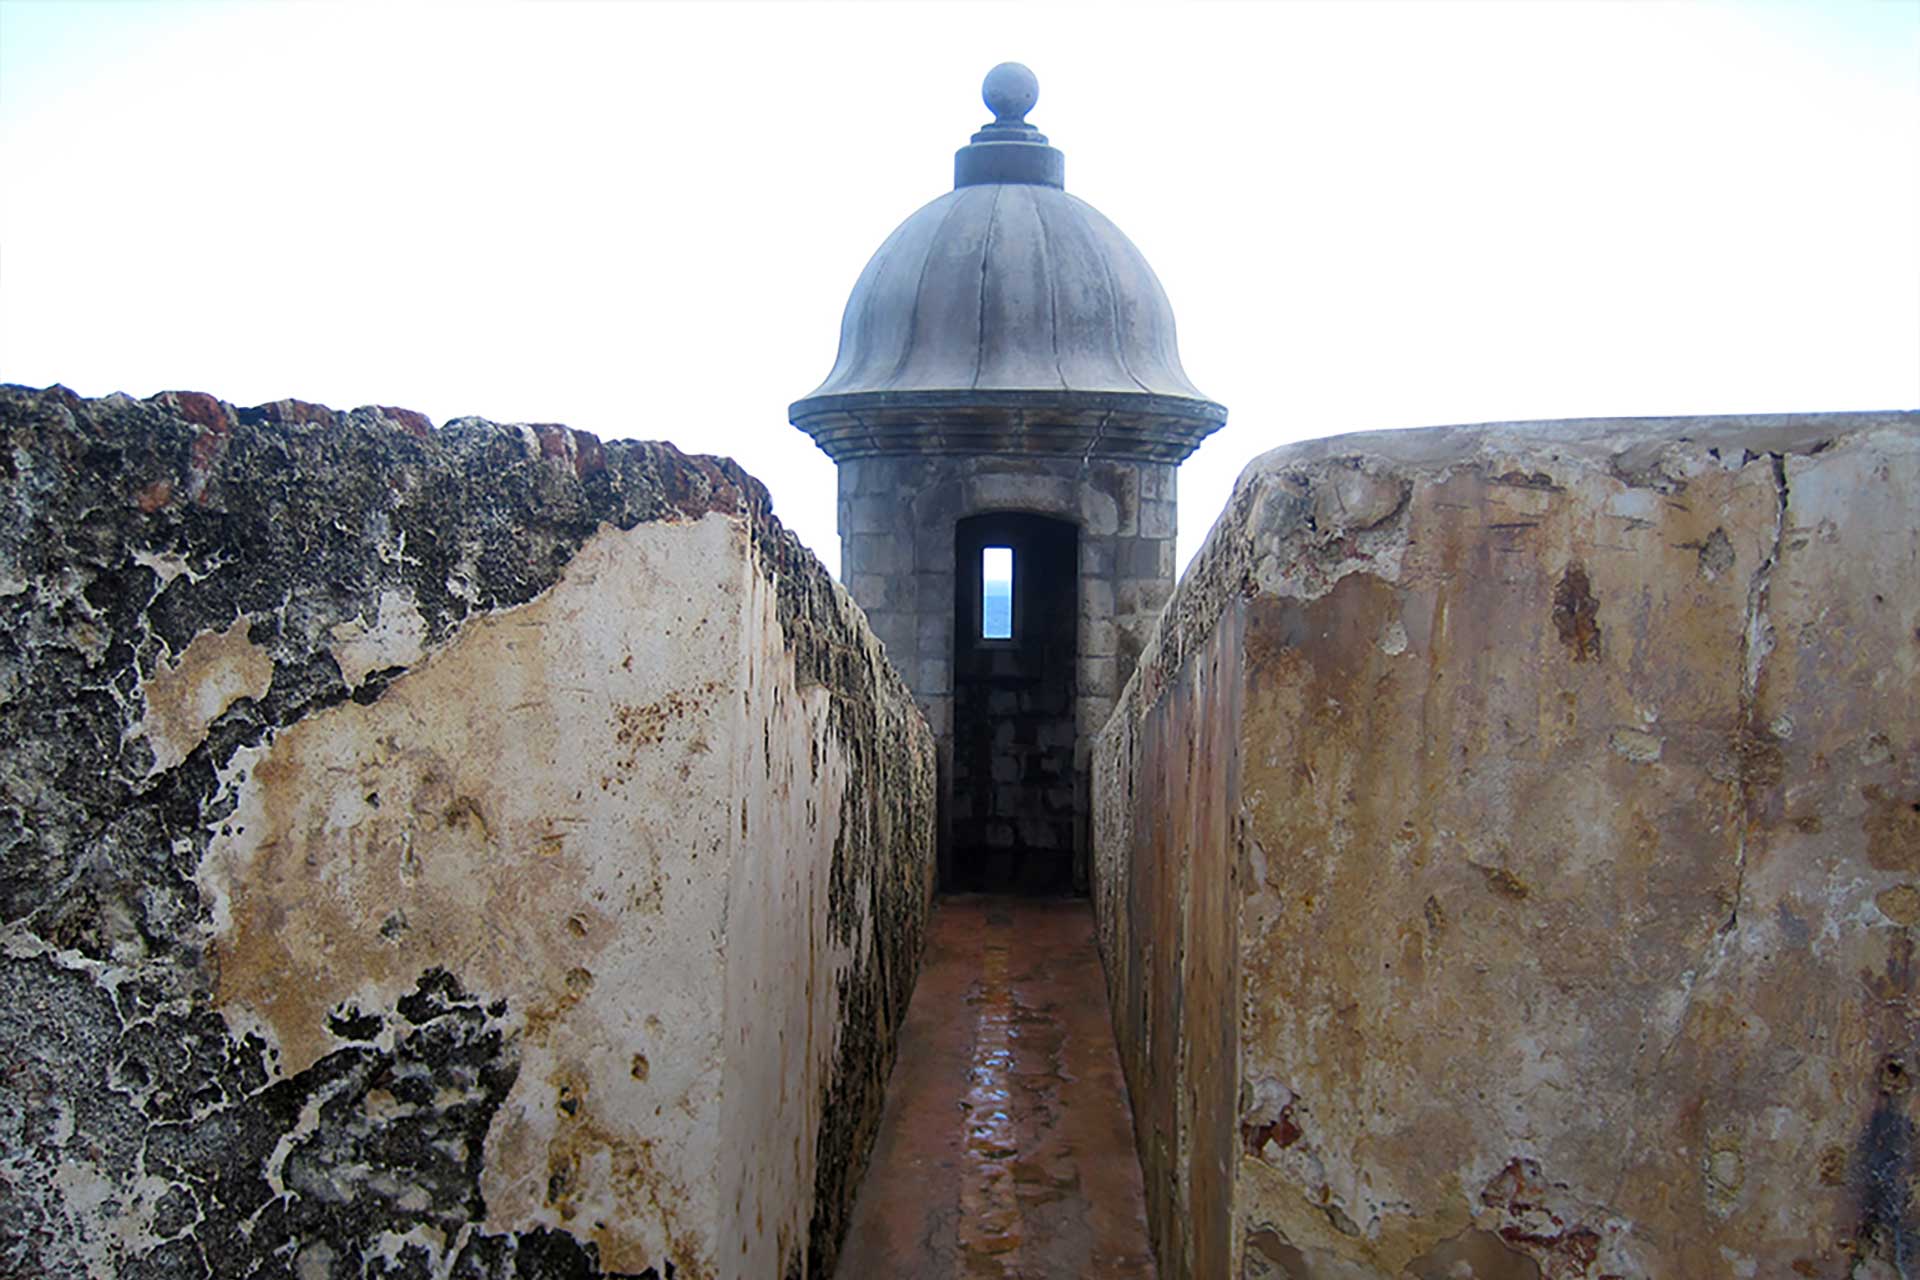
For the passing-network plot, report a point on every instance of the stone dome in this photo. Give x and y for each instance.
(1005, 316)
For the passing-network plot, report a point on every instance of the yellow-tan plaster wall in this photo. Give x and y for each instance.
(616, 808)
(1575, 857)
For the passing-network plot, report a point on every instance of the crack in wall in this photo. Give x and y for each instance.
(1756, 643)
(1756, 751)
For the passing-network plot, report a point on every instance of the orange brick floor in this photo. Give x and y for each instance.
(1006, 1145)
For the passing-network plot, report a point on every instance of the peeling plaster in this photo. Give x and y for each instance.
(435, 930)
(187, 694)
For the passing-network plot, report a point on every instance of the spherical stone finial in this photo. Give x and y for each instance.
(1010, 90)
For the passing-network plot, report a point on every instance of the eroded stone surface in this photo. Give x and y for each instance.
(482, 852)
(1571, 827)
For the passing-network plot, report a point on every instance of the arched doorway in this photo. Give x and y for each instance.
(1015, 801)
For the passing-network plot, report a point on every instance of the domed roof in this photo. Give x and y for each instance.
(1008, 315)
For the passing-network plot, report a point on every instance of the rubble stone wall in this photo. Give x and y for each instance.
(483, 851)
(1572, 830)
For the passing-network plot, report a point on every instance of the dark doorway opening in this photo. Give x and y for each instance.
(1015, 800)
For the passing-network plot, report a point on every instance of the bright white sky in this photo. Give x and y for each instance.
(643, 219)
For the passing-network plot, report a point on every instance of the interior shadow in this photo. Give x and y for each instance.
(1015, 806)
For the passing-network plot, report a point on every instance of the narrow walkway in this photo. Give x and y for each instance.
(1006, 1146)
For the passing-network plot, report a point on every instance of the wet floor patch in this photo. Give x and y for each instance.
(1006, 1147)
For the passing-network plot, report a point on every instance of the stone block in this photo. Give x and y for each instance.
(880, 592)
(1097, 638)
(1099, 513)
(1126, 496)
(893, 477)
(1145, 558)
(895, 632)
(1156, 519)
(936, 676)
(937, 504)
(1550, 789)
(935, 634)
(933, 595)
(1097, 676)
(1038, 833)
(877, 553)
(1142, 597)
(933, 549)
(1096, 598)
(886, 514)
(1096, 558)
(1036, 491)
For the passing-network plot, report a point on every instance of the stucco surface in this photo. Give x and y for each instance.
(1574, 856)
(482, 852)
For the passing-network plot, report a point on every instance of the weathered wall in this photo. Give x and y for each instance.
(474, 852)
(1165, 801)
(1576, 858)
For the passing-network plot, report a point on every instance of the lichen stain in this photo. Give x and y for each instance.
(1716, 555)
(188, 694)
(1882, 1168)
(637, 728)
(1504, 883)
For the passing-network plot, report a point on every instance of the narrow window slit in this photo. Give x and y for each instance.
(996, 593)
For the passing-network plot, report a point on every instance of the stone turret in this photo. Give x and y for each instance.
(1009, 389)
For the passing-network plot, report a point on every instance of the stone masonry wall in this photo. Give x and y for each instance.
(474, 852)
(1561, 785)
(897, 516)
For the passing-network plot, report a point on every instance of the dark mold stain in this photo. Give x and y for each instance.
(1504, 883)
(1716, 554)
(1882, 1172)
(1892, 827)
(394, 1141)
(1576, 614)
